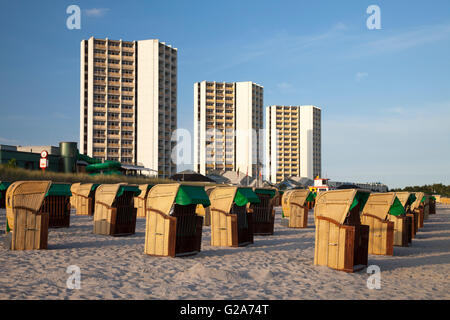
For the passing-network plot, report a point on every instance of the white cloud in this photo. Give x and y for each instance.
(361, 75)
(96, 12)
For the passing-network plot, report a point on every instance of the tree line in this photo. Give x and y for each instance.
(437, 188)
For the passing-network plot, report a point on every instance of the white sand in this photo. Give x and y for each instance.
(274, 267)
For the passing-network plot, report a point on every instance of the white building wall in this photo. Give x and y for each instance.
(306, 141)
(90, 110)
(147, 103)
(82, 88)
(244, 137)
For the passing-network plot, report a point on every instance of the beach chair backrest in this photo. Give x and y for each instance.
(379, 204)
(162, 197)
(334, 205)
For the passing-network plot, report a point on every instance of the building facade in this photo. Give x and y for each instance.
(128, 102)
(293, 142)
(228, 118)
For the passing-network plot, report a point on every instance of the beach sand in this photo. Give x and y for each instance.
(274, 267)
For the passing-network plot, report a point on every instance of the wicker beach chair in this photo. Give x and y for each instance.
(85, 199)
(432, 204)
(205, 211)
(406, 199)
(25, 221)
(297, 208)
(114, 212)
(341, 242)
(172, 227)
(73, 199)
(376, 214)
(418, 206)
(231, 223)
(140, 200)
(263, 213)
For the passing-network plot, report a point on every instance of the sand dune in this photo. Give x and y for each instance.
(274, 267)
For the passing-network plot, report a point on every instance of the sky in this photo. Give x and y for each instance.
(384, 93)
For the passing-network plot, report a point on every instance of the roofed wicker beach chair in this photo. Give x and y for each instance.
(231, 223)
(172, 227)
(406, 199)
(341, 241)
(85, 199)
(114, 212)
(432, 201)
(26, 223)
(263, 213)
(141, 199)
(296, 207)
(376, 214)
(418, 206)
(205, 211)
(73, 199)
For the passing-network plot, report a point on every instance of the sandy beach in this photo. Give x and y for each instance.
(275, 267)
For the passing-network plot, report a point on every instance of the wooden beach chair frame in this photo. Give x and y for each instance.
(74, 190)
(341, 241)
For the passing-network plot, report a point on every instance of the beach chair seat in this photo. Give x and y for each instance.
(263, 213)
(141, 199)
(114, 212)
(231, 222)
(172, 227)
(26, 223)
(381, 229)
(341, 241)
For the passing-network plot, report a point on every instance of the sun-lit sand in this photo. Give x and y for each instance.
(274, 267)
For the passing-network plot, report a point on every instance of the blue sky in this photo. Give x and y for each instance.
(384, 94)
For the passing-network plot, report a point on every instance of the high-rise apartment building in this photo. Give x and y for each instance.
(128, 102)
(293, 142)
(228, 118)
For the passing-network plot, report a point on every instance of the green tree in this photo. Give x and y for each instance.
(12, 163)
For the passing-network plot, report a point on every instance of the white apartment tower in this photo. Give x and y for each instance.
(228, 118)
(128, 102)
(293, 142)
